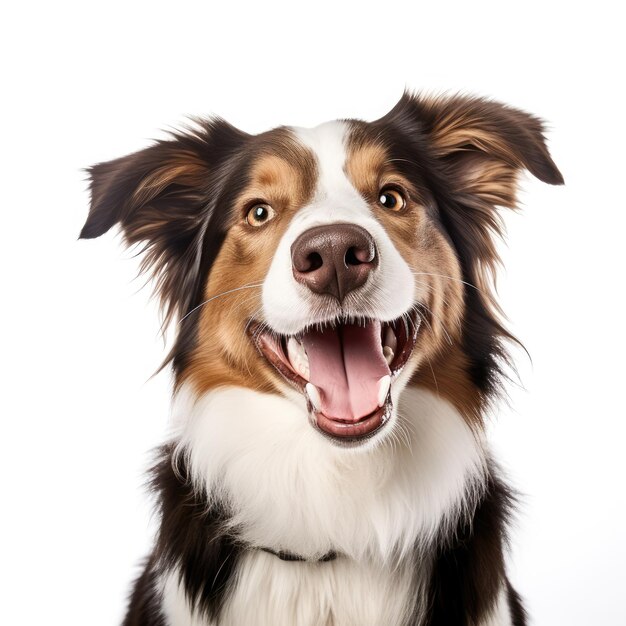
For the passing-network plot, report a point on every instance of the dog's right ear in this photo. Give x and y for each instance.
(164, 197)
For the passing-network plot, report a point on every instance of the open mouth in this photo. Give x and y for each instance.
(345, 369)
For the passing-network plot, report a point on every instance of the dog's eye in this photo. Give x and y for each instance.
(391, 199)
(259, 214)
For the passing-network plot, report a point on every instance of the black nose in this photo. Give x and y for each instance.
(334, 259)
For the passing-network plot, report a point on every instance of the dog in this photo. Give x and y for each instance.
(337, 348)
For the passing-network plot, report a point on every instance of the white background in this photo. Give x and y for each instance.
(83, 83)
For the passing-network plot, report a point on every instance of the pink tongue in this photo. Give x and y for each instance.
(346, 365)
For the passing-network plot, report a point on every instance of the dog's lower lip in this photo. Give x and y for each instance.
(351, 430)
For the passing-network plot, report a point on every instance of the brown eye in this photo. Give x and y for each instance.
(259, 214)
(391, 199)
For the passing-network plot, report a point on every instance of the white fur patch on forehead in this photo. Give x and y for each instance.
(327, 142)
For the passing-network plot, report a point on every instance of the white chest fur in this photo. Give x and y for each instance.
(288, 488)
(271, 592)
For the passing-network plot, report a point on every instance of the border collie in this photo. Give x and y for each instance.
(337, 349)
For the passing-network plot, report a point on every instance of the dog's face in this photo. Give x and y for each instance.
(338, 258)
(333, 265)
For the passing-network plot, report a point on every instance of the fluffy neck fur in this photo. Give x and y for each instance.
(286, 488)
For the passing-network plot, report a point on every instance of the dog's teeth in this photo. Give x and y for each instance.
(383, 389)
(298, 358)
(390, 345)
(390, 339)
(302, 369)
(314, 396)
(388, 353)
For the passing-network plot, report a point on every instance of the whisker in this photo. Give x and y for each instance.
(394, 440)
(449, 278)
(404, 430)
(432, 289)
(444, 300)
(252, 319)
(432, 371)
(417, 308)
(401, 161)
(219, 295)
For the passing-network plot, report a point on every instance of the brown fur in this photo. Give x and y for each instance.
(282, 176)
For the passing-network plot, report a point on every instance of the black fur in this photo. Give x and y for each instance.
(145, 604)
(192, 537)
(468, 571)
(518, 613)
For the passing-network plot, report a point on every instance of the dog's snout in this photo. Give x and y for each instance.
(333, 259)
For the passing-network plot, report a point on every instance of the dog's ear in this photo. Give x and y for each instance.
(163, 197)
(476, 148)
(483, 145)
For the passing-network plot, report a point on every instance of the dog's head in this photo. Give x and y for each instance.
(333, 265)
